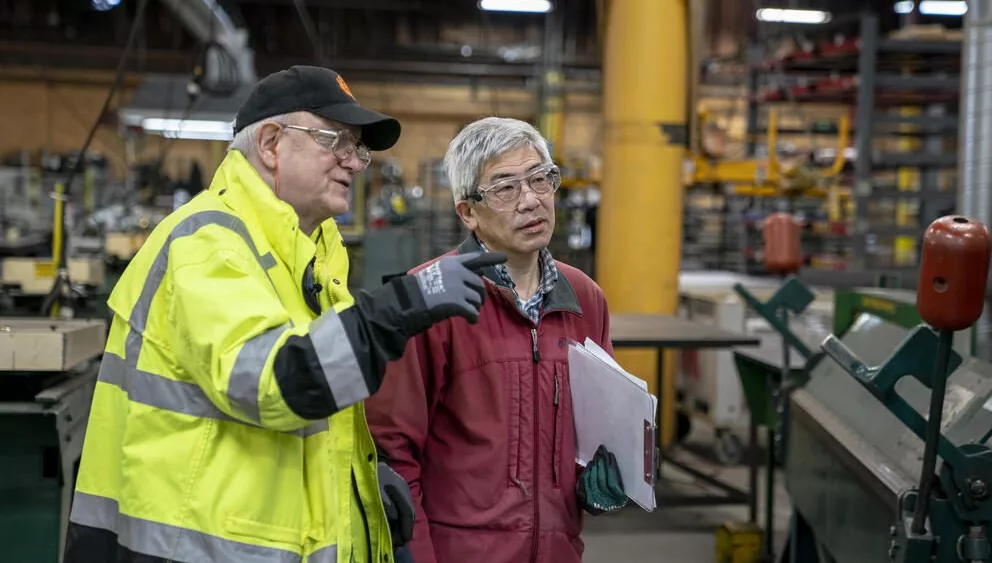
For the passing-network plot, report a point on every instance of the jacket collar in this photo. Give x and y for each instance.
(561, 298)
(240, 187)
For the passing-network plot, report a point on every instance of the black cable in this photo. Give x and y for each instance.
(62, 275)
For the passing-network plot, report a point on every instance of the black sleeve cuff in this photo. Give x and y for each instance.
(301, 380)
(380, 324)
(378, 327)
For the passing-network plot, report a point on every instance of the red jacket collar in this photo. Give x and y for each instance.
(561, 298)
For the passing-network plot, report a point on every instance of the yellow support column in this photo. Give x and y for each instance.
(640, 225)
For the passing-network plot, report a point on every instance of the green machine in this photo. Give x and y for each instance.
(767, 376)
(855, 426)
(895, 306)
(813, 404)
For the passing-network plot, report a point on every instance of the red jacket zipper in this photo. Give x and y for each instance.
(537, 449)
(554, 436)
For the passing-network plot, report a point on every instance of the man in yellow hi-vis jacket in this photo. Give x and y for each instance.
(227, 423)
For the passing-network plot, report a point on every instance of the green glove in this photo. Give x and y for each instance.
(600, 486)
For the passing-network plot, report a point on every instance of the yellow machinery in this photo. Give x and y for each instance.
(766, 176)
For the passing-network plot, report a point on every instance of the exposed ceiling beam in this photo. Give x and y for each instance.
(160, 60)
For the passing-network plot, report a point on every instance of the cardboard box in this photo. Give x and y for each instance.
(35, 344)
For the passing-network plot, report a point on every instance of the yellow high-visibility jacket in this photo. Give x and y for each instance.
(227, 423)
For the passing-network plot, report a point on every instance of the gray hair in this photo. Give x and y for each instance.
(482, 141)
(244, 141)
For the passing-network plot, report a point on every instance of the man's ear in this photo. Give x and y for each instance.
(468, 213)
(265, 144)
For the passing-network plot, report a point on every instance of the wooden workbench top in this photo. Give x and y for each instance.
(667, 331)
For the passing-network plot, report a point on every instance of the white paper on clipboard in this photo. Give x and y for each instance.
(615, 409)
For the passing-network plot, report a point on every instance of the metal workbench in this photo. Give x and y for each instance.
(665, 332)
(48, 369)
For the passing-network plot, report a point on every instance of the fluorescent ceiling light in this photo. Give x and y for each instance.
(777, 15)
(189, 129)
(533, 6)
(933, 7)
(945, 8)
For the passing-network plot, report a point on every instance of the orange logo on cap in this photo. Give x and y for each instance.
(344, 86)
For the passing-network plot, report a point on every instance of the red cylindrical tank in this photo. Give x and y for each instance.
(782, 234)
(954, 270)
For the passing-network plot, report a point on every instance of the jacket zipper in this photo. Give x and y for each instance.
(365, 519)
(554, 455)
(537, 449)
(536, 356)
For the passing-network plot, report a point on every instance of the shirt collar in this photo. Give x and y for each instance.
(546, 263)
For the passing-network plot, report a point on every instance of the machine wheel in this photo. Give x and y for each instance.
(729, 449)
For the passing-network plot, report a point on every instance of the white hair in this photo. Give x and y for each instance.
(245, 140)
(482, 141)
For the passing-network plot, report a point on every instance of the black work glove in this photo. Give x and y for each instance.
(403, 555)
(452, 286)
(600, 486)
(398, 504)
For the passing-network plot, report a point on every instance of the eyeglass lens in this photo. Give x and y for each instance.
(343, 144)
(541, 183)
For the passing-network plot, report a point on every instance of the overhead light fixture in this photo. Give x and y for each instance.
(933, 7)
(191, 129)
(943, 8)
(530, 6)
(778, 15)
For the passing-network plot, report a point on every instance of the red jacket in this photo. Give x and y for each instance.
(478, 420)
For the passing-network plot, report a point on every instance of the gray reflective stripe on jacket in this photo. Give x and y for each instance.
(338, 363)
(187, 397)
(171, 542)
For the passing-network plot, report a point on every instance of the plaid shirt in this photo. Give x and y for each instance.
(549, 277)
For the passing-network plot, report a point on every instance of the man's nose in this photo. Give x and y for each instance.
(353, 164)
(528, 199)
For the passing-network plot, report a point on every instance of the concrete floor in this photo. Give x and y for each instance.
(678, 535)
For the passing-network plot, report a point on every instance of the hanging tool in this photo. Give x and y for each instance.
(946, 518)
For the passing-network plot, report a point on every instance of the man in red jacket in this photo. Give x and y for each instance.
(477, 418)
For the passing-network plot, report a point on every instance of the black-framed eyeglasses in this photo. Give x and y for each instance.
(543, 182)
(341, 143)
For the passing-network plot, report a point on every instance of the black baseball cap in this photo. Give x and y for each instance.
(322, 92)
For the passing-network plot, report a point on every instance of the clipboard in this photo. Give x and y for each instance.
(615, 409)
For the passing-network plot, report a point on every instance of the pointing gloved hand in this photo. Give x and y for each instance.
(398, 504)
(453, 286)
(600, 486)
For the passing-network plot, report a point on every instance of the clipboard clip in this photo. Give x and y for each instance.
(652, 453)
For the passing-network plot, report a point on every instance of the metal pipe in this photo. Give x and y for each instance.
(207, 21)
(975, 137)
(975, 134)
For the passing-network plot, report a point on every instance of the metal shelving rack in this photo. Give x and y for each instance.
(896, 192)
(938, 96)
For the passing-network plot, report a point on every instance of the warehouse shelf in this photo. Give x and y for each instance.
(903, 95)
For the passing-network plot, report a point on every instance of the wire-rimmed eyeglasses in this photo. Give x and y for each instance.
(341, 143)
(543, 182)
